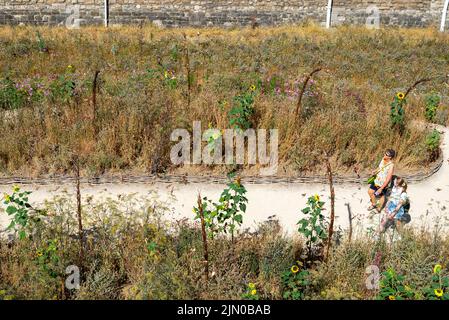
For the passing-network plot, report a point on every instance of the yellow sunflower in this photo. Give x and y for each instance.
(391, 297)
(438, 292)
(437, 268)
(400, 95)
(317, 197)
(253, 292)
(251, 285)
(6, 197)
(294, 269)
(252, 88)
(16, 189)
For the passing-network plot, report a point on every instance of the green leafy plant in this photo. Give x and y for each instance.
(5, 296)
(41, 45)
(11, 97)
(433, 140)
(47, 258)
(397, 112)
(432, 102)
(242, 110)
(63, 88)
(227, 214)
(393, 287)
(23, 214)
(170, 79)
(251, 292)
(314, 226)
(439, 288)
(294, 282)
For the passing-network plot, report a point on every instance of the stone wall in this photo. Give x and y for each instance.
(174, 13)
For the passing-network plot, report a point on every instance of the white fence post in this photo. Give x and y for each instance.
(329, 14)
(444, 15)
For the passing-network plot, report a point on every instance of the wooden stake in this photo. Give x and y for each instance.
(303, 89)
(203, 232)
(94, 103)
(78, 202)
(350, 222)
(332, 218)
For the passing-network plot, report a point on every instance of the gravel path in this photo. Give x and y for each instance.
(429, 198)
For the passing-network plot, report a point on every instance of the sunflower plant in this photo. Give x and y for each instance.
(439, 288)
(225, 215)
(393, 287)
(251, 292)
(397, 111)
(314, 225)
(22, 214)
(295, 281)
(47, 258)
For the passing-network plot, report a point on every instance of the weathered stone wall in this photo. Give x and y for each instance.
(220, 12)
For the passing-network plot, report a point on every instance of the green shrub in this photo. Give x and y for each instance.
(433, 144)
(242, 110)
(11, 97)
(432, 102)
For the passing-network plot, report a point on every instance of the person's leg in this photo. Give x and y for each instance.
(372, 196)
(383, 223)
(381, 202)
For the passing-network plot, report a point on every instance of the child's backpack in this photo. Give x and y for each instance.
(406, 216)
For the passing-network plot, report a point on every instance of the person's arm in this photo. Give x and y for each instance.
(396, 210)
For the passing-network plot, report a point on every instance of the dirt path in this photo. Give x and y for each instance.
(429, 198)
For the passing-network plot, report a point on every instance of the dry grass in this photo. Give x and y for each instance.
(348, 115)
(120, 264)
